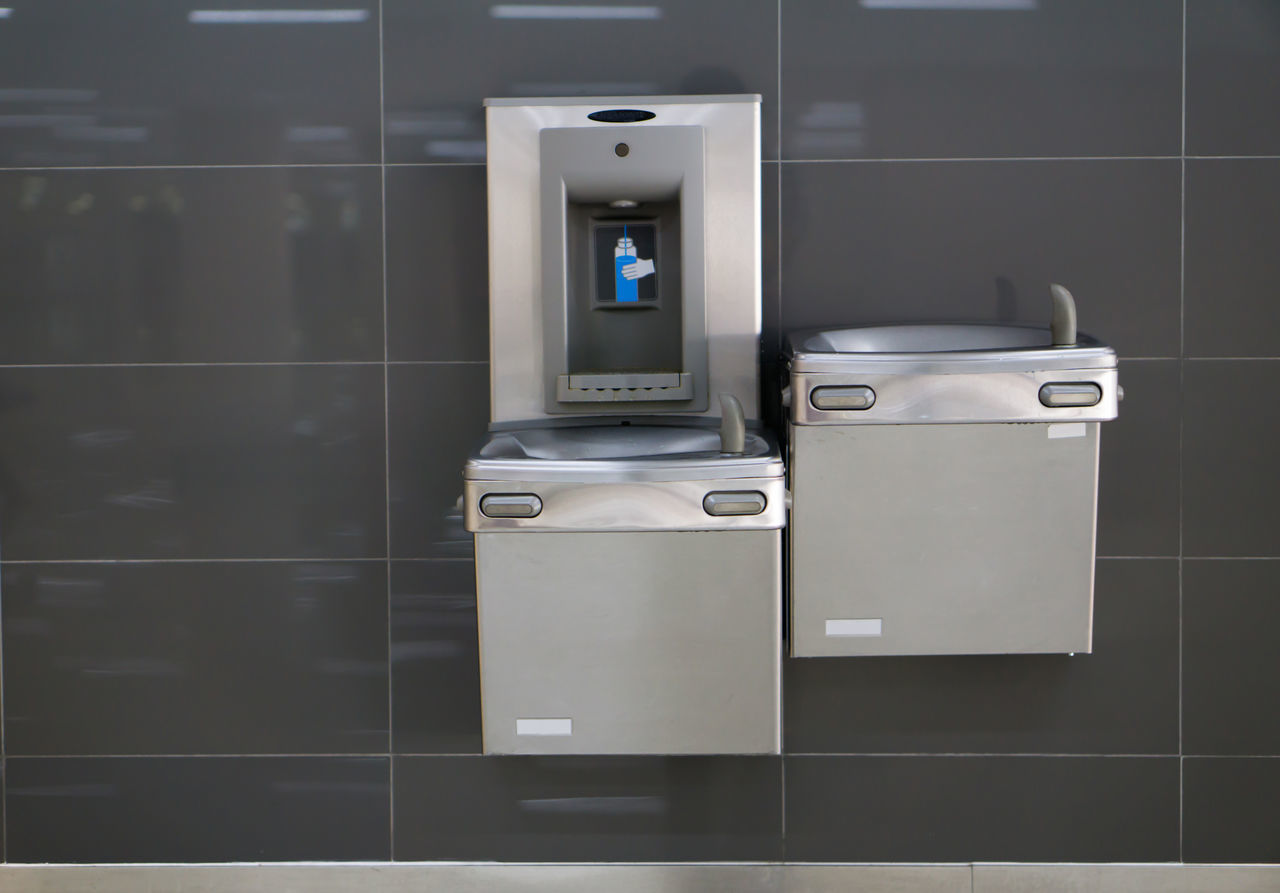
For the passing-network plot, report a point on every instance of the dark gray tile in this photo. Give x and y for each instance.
(1122, 698)
(1229, 676)
(195, 658)
(1232, 265)
(142, 83)
(192, 462)
(892, 242)
(1229, 810)
(435, 657)
(207, 265)
(1233, 77)
(1048, 78)
(1138, 464)
(438, 416)
(999, 809)
(437, 263)
(250, 809)
(442, 61)
(588, 809)
(1230, 476)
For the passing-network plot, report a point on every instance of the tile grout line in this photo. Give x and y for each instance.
(389, 362)
(778, 148)
(1182, 352)
(97, 561)
(776, 350)
(991, 755)
(207, 756)
(384, 558)
(381, 755)
(392, 164)
(386, 435)
(263, 363)
(4, 762)
(983, 159)
(184, 167)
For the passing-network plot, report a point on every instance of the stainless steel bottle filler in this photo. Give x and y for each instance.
(626, 506)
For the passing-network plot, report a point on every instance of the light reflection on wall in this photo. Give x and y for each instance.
(572, 11)
(276, 16)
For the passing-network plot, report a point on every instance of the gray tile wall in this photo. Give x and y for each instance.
(243, 348)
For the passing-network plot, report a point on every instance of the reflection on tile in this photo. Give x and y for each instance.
(999, 809)
(1232, 265)
(1049, 78)
(983, 240)
(207, 265)
(438, 416)
(441, 62)
(192, 462)
(93, 84)
(1138, 464)
(437, 264)
(1122, 698)
(248, 809)
(1230, 474)
(435, 657)
(1229, 810)
(196, 658)
(1230, 681)
(588, 809)
(1233, 77)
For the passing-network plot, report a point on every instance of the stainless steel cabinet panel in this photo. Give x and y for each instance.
(627, 643)
(942, 539)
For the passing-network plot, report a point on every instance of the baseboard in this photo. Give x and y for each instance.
(442, 877)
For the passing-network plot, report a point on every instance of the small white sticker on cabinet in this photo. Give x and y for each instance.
(544, 726)
(867, 627)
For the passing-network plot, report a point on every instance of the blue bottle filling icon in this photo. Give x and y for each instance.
(625, 290)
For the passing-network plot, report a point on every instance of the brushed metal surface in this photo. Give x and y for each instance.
(961, 539)
(613, 448)
(401, 877)
(437, 877)
(637, 505)
(654, 642)
(932, 398)
(926, 338)
(732, 241)
(1126, 878)
(943, 347)
(601, 454)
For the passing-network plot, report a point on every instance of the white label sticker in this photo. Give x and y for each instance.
(869, 627)
(1066, 429)
(544, 726)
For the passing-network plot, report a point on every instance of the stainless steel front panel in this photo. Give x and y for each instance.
(635, 643)
(942, 539)
(730, 240)
(959, 397)
(645, 505)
